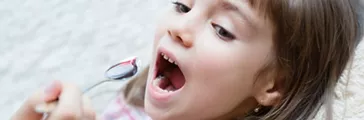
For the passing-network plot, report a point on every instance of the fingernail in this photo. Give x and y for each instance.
(50, 88)
(49, 91)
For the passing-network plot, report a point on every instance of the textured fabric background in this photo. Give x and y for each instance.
(69, 40)
(76, 40)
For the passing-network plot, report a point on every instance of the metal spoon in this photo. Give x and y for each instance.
(125, 69)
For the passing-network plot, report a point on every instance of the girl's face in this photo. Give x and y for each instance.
(205, 60)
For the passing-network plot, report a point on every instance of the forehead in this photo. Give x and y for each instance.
(230, 4)
(251, 5)
(252, 10)
(234, 4)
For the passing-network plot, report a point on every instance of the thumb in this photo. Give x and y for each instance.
(27, 110)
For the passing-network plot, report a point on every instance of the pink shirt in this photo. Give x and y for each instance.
(119, 110)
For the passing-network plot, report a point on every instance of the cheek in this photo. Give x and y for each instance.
(218, 60)
(225, 67)
(159, 33)
(162, 27)
(224, 77)
(220, 82)
(225, 71)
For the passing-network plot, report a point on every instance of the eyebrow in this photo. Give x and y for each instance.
(231, 5)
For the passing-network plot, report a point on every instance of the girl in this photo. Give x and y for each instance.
(234, 59)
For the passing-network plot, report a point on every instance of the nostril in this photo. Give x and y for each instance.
(185, 41)
(175, 37)
(179, 38)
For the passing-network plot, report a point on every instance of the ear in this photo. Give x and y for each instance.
(268, 92)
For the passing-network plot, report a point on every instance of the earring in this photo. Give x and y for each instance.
(256, 110)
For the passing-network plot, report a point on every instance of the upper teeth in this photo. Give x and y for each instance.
(168, 59)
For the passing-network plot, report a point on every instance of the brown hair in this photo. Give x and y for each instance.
(313, 40)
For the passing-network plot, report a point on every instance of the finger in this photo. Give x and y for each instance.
(53, 91)
(69, 107)
(50, 100)
(27, 110)
(88, 110)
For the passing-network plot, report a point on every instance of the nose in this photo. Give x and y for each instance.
(183, 39)
(184, 30)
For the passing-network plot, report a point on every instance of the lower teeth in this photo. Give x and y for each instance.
(158, 80)
(170, 88)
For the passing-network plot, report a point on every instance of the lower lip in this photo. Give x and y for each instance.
(158, 95)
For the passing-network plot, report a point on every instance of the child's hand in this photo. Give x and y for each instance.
(72, 106)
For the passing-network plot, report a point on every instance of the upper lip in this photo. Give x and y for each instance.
(165, 52)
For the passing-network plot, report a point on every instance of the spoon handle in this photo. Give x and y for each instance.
(97, 84)
(125, 69)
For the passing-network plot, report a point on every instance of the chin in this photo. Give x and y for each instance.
(158, 114)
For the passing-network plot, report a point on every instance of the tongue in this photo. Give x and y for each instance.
(176, 77)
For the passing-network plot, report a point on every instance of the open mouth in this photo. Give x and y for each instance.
(169, 77)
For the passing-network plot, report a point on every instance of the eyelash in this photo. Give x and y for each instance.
(220, 30)
(181, 8)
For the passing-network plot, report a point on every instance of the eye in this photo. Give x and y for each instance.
(223, 33)
(181, 8)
